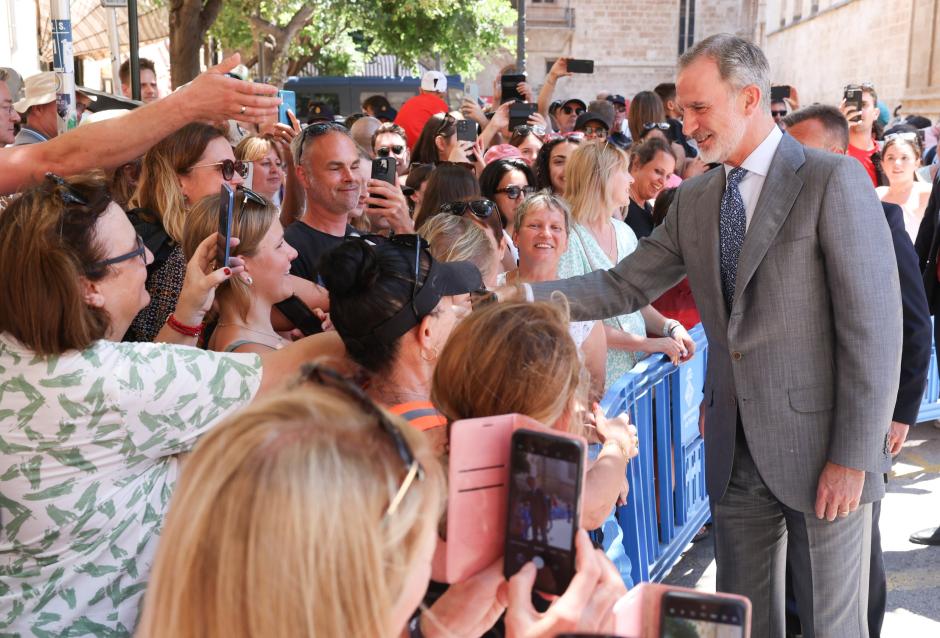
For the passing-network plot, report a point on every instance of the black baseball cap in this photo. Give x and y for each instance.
(591, 116)
(443, 279)
(617, 99)
(386, 113)
(577, 101)
(320, 112)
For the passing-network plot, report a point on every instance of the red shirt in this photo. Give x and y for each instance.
(865, 158)
(415, 113)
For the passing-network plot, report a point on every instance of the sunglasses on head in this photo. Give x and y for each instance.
(316, 130)
(479, 208)
(529, 129)
(662, 126)
(906, 136)
(320, 375)
(249, 195)
(228, 168)
(513, 191)
(385, 151)
(448, 120)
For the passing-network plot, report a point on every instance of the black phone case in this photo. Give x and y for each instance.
(581, 66)
(519, 113)
(300, 315)
(384, 168)
(508, 88)
(466, 131)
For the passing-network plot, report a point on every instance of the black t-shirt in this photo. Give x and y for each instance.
(311, 244)
(640, 219)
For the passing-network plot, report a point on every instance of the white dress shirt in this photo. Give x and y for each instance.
(757, 165)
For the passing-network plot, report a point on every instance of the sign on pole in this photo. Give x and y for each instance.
(63, 63)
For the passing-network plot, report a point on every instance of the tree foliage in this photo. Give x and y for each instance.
(339, 36)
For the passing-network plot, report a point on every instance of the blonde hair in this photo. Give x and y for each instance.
(250, 224)
(254, 148)
(455, 238)
(587, 175)
(510, 358)
(278, 528)
(158, 189)
(542, 199)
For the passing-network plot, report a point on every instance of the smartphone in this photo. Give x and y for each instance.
(508, 90)
(639, 613)
(519, 114)
(545, 475)
(779, 93)
(226, 206)
(695, 615)
(289, 101)
(581, 66)
(853, 99)
(300, 315)
(466, 131)
(385, 168)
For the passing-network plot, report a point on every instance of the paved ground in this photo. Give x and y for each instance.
(912, 503)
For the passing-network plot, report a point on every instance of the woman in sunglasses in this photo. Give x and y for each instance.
(394, 307)
(507, 182)
(551, 160)
(94, 427)
(900, 160)
(446, 183)
(647, 117)
(528, 139)
(175, 174)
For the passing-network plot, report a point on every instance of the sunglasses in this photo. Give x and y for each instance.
(448, 121)
(139, 251)
(68, 194)
(320, 375)
(568, 110)
(316, 130)
(596, 131)
(778, 113)
(408, 242)
(250, 196)
(529, 129)
(228, 168)
(385, 151)
(479, 208)
(513, 191)
(906, 136)
(574, 137)
(662, 126)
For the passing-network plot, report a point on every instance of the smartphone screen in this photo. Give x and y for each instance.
(688, 615)
(544, 507)
(466, 131)
(226, 206)
(289, 101)
(581, 66)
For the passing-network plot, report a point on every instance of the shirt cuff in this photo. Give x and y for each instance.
(527, 290)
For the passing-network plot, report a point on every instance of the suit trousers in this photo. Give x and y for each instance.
(830, 561)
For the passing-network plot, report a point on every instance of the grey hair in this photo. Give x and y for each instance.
(740, 62)
(307, 138)
(543, 198)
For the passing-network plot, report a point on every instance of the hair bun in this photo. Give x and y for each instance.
(350, 269)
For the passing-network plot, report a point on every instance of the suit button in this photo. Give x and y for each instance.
(736, 355)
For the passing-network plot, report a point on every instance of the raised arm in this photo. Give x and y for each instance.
(559, 70)
(110, 143)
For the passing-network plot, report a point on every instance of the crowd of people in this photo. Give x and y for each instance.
(193, 446)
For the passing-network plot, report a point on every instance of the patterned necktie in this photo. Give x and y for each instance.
(731, 227)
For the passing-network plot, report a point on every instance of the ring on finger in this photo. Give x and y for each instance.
(244, 108)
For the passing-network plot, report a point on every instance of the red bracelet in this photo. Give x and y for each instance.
(183, 329)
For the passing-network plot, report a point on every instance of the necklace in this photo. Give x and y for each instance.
(279, 338)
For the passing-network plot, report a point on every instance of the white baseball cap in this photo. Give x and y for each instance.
(37, 89)
(434, 81)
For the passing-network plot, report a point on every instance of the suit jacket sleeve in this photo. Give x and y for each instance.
(653, 268)
(916, 340)
(862, 279)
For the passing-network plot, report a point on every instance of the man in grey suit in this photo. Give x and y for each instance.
(792, 268)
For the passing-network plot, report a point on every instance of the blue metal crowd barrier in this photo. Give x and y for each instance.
(668, 503)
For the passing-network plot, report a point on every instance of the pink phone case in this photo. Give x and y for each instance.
(637, 613)
(478, 490)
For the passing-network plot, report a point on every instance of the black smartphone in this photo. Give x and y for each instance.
(508, 87)
(779, 93)
(853, 99)
(581, 66)
(226, 206)
(466, 131)
(694, 615)
(519, 114)
(384, 168)
(300, 315)
(544, 509)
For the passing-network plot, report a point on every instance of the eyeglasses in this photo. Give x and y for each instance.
(315, 373)
(529, 129)
(513, 191)
(662, 126)
(568, 110)
(228, 167)
(385, 151)
(139, 251)
(479, 208)
(316, 130)
(778, 113)
(596, 131)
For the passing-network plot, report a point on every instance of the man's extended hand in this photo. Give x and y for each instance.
(839, 491)
(214, 96)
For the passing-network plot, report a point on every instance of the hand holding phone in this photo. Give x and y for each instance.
(654, 610)
(509, 87)
(466, 131)
(852, 97)
(226, 208)
(288, 103)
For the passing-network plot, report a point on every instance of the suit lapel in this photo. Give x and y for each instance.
(781, 187)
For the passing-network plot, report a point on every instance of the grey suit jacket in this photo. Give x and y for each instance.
(810, 353)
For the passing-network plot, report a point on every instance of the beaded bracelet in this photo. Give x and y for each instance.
(183, 329)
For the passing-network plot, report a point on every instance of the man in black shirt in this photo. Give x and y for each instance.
(327, 163)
